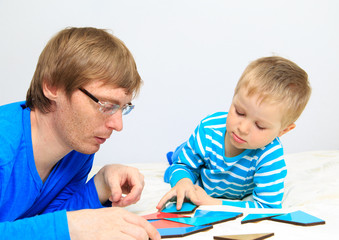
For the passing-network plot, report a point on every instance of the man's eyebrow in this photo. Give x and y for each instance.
(112, 100)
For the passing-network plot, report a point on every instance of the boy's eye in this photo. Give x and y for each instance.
(259, 127)
(239, 113)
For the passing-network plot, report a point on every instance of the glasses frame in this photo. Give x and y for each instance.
(126, 109)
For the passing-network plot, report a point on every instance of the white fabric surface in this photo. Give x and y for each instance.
(311, 185)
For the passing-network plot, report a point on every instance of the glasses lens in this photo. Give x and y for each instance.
(109, 108)
(127, 109)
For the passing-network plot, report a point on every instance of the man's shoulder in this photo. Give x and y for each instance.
(11, 117)
(11, 128)
(11, 110)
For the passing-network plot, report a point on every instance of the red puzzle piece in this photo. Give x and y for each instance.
(168, 224)
(162, 215)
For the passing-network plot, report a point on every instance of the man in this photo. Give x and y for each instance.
(84, 82)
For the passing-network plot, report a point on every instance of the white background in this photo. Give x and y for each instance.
(190, 54)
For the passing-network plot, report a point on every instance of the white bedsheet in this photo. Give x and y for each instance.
(312, 186)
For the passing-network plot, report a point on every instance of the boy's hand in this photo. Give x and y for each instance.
(203, 198)
(179, 191)
(186, 189)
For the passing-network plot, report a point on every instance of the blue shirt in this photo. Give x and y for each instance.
(30, 208)
(260, 172)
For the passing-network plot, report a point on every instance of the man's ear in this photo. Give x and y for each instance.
(51, 92)
(287, 129)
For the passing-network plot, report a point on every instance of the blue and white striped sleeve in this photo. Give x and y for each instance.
(187, 162)
(269, 178)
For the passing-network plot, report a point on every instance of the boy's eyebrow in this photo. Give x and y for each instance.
(237, 106)
(264, 122)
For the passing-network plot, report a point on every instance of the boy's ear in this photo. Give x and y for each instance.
(287, 129)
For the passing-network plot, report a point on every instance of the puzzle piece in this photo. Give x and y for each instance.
(161, 215)
(256, 236)
(258, 217)
(206, 213)
(162, 223)
(299, 218)
(182, 231)
(187, 207)
(199, 221)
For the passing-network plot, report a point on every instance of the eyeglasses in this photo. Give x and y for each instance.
(107, 107)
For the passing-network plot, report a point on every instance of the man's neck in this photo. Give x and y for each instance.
(47, 147)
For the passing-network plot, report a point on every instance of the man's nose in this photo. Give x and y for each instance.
(114, 121)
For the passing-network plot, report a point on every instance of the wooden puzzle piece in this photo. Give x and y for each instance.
(162, 223)
(187, 207)
(299, 218)
(207, 213)
(255, 236)
(161, 215)
(259, 217)
(182, 231)
(199, 221)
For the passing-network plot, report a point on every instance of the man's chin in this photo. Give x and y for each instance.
(89, 150)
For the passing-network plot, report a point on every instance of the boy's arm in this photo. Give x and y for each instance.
(184, 171)
(188, 158)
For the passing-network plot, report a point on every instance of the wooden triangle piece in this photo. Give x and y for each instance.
(255, 236)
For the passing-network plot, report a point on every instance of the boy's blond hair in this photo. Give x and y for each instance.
(277, 80)
(76, 56)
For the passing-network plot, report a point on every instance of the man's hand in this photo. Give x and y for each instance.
(112, 181)
(109, 223)
(185, 189)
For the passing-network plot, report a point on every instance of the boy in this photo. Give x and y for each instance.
(233, 155)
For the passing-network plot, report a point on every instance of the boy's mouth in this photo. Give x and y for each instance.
(237, 138)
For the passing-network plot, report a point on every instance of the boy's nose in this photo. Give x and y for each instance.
(244, 127)
(114, 121)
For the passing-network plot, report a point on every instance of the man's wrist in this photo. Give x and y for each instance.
(101, 187)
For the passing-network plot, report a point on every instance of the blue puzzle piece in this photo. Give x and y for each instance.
(187, 207)
(153, 220)
(182, 231)
(199, 221)
(258, 217)
(299, 218)
(207, 213)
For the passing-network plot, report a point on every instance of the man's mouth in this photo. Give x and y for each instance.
(100, 140)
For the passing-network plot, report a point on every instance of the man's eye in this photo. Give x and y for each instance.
(107, 109)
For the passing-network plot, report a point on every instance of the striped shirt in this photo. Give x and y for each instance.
(260, 172)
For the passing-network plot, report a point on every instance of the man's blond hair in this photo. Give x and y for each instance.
(77, 56)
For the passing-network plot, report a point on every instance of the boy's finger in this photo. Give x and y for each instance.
(165, 199)
(180, 199)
